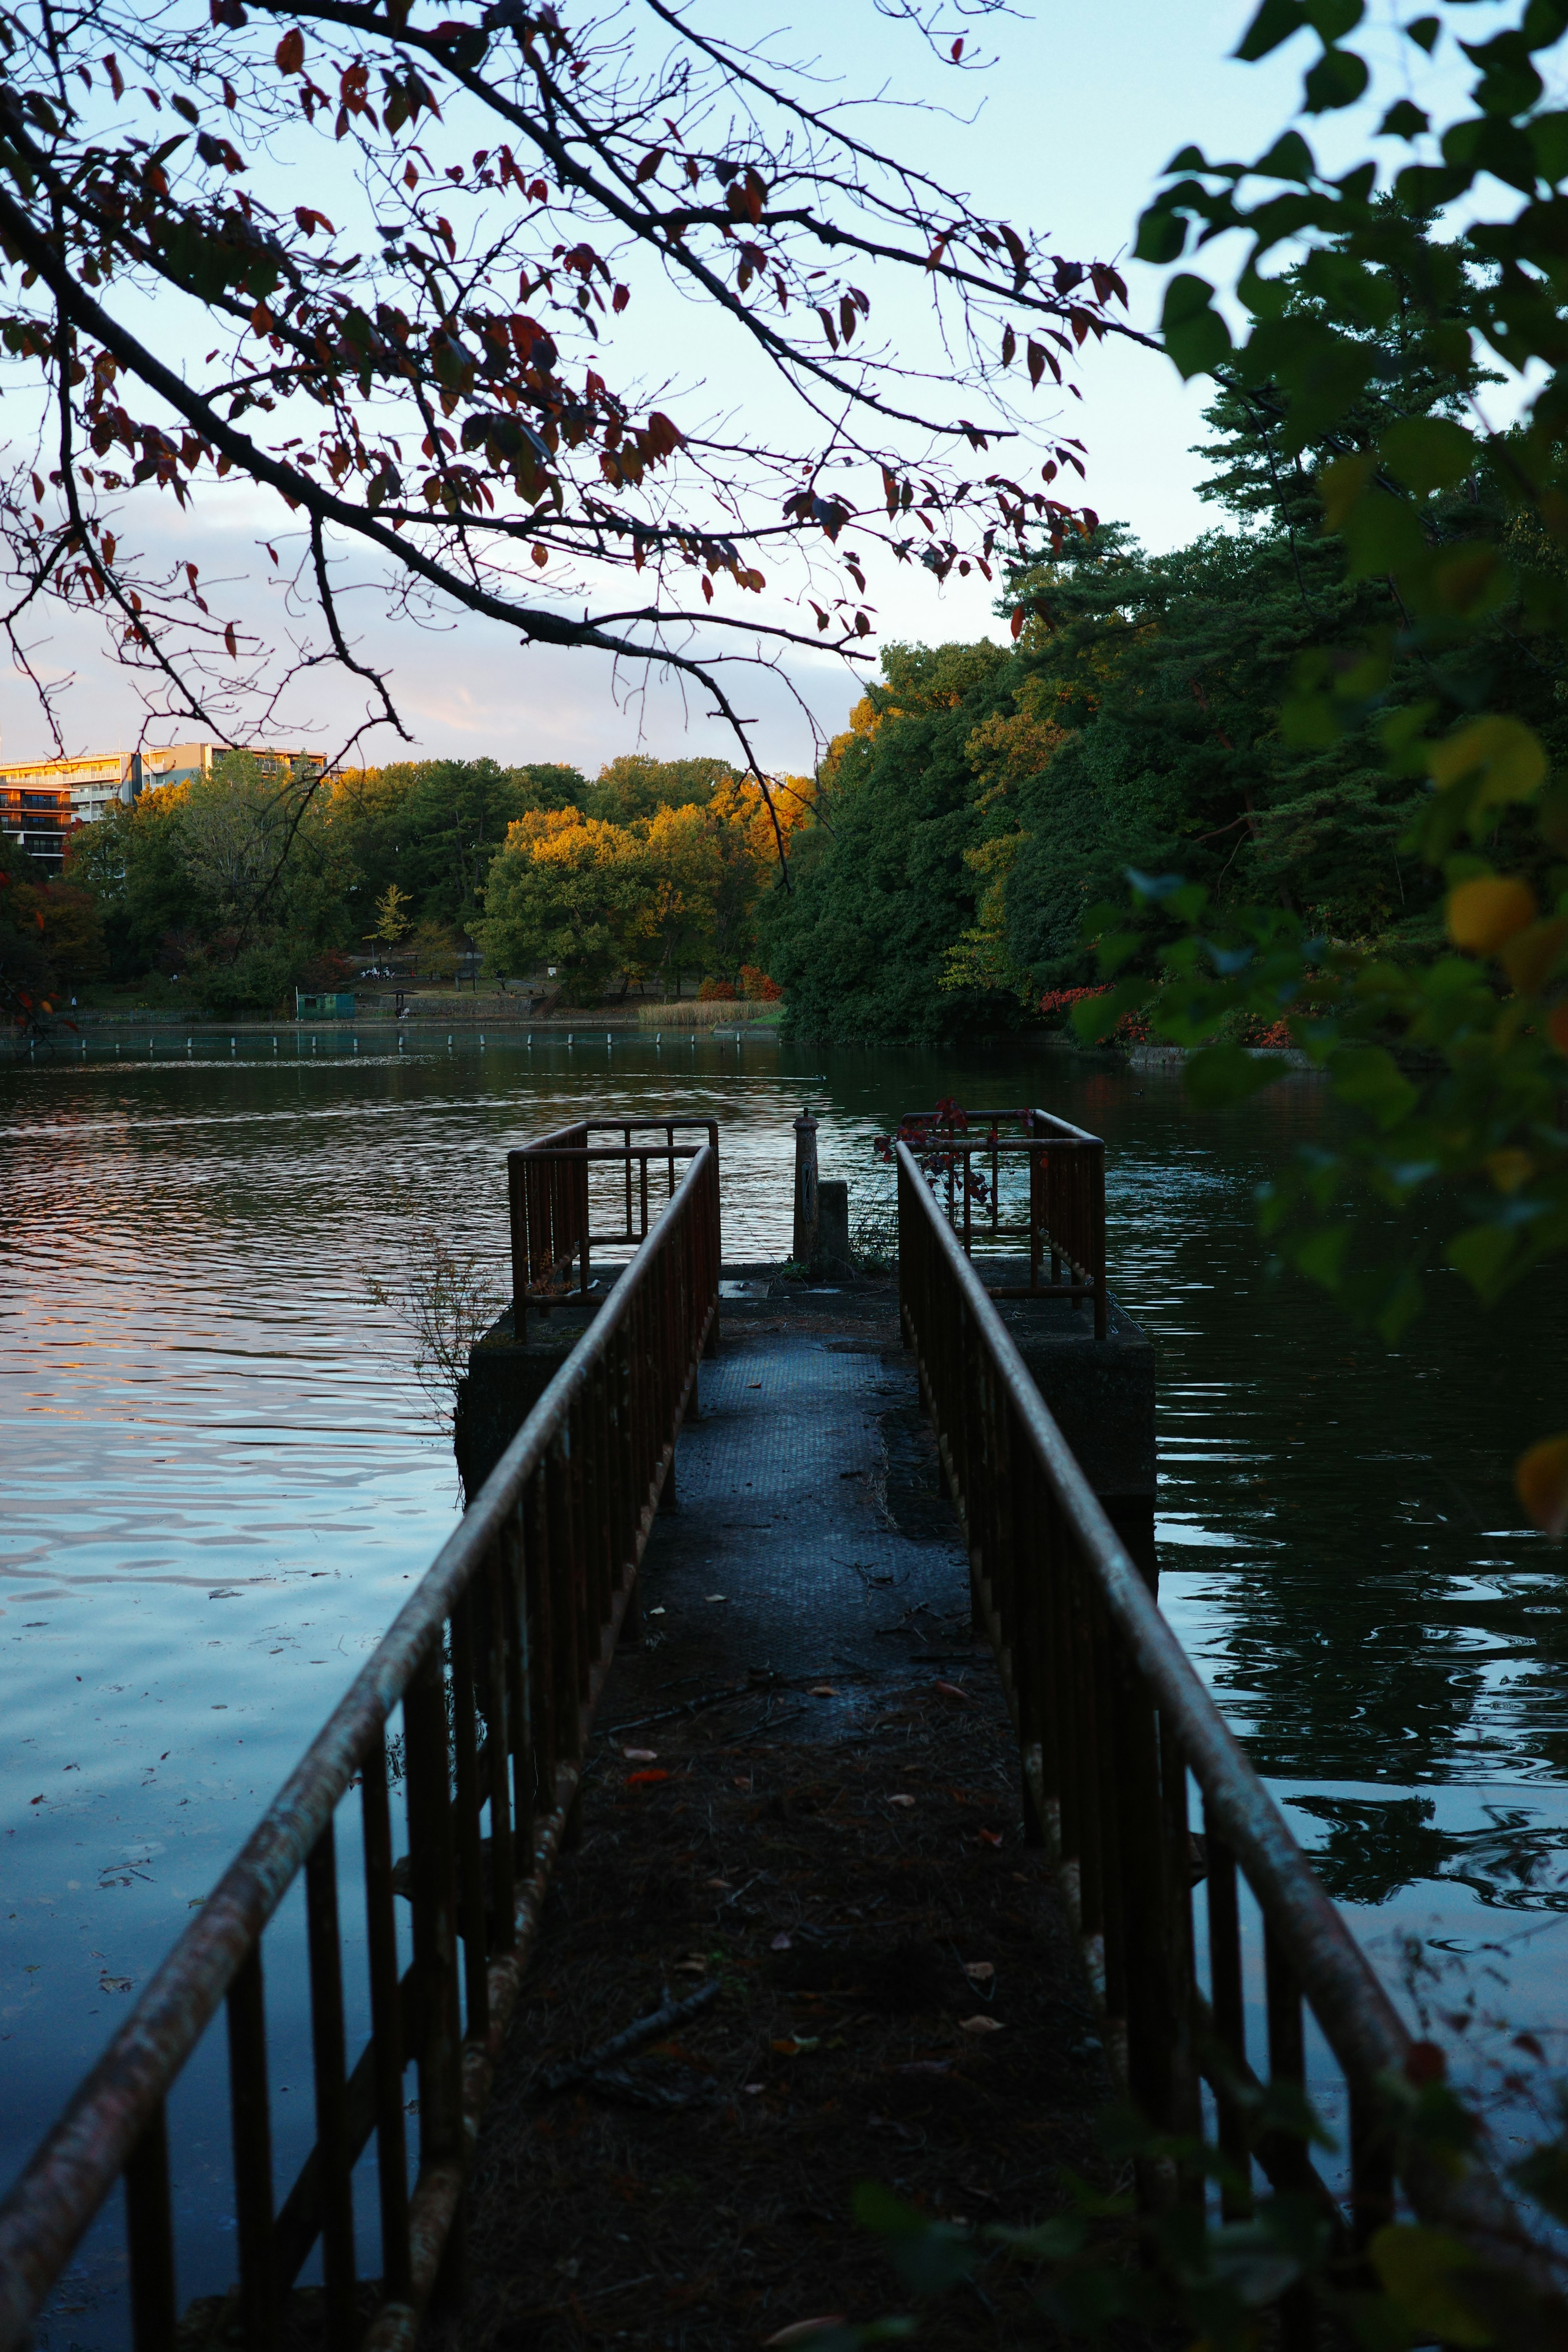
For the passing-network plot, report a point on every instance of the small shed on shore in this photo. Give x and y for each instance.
(325, 1004)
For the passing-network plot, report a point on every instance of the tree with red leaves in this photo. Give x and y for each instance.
(375, 268)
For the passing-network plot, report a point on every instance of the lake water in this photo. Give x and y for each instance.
(221, 1475)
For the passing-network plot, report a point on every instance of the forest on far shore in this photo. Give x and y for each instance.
(943, 868)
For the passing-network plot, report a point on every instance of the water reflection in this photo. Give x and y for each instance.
(220, 1473)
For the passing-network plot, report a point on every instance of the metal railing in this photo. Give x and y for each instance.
(496, 1663)
(966, 1154)
(1113, 1723)
(550, 1198)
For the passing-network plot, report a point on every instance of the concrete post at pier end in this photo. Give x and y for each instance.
(802, 1246)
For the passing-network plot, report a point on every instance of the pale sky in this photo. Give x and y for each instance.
(1075, 123)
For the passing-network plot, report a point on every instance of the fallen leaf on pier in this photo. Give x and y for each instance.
(951, 1690)
(980, 1971)
(640, 1755)
(981, 2025)
(781, 1943)
(900, 1801)
(718, 1596)
(989, 1837)
(822, 1690)
(801, 2329)
(643, 1779)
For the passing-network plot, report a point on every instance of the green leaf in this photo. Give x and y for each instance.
(1217, 1076)
(1369, 1079)
(1429, 453)
(1194, 334)
(928, 2256)
(1162, 235)
(1481, 1254)
(1332, 19)
(1057, 2240)
(1422, 2272)
(1337, 79)
(1275, 22)
(1322, 1256)
(1403, 121)
(1543, 2175)
(1289, 158)
(1548, 135)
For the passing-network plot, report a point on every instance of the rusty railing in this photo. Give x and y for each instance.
(550, 1197)
(1113, 1725)
(966, 1154)
(496, 1665)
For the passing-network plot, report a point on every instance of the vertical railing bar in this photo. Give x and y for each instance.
(251, 2125)
(149, 2238)
(385, 2023)
(1228, 2007)
(328, 2057)
(470, 1853)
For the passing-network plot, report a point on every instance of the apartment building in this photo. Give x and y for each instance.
(41, 800)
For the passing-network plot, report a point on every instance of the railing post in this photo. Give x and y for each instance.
(150, 2239)
(387, 2024)
(438, 2047)
(333, 2155)
(251, 2123)
(803, 1238)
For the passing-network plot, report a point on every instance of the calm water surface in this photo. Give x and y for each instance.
(221, 1477)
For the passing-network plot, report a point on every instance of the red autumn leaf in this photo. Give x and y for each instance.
(116, 79)
(644, 1779)
(289, 55)
(1009, 345)
(1425, 2063)
(957, 49)
(951, 1690)
(230, 641)
(650, 164)
(1017, 620)
(989, 1837)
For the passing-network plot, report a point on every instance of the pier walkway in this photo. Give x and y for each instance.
(805, 1794)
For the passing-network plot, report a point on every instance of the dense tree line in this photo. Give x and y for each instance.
(231, 891)
(985, 799)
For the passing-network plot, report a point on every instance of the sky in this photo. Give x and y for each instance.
(1069, 133)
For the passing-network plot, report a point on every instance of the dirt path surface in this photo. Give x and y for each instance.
(803, 1805)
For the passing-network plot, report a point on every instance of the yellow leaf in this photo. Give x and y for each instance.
(1511, 762)
(1509, 1169)
(1484, 914)
(1342, 483)
(1541, 1482)
(1532, 957)
(1422, 2272)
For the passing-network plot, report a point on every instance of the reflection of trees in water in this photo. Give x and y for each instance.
(1345, 1675)
(1375, 1847)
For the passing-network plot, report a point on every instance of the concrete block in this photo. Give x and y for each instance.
(1101, 1393)
(830, 1259)
(505, 1380)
